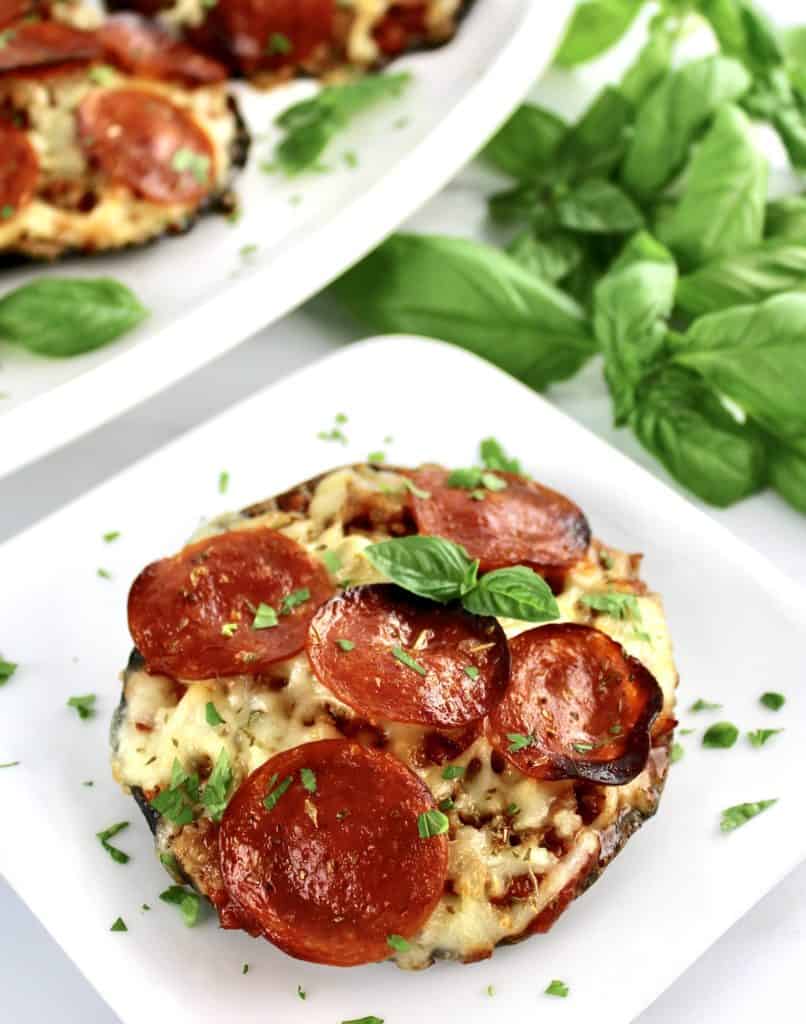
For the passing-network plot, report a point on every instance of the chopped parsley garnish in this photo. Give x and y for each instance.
(295, 598)
(177, 802)
(398, 943)
(7, 211)
(188, 160)
(494, 457)
(341, 417)
(245, 969)
(7, 670)
(472, 671)
(335, 433)
(85, 706)
(517, 741)
(376, 457)
(102, 74)
(171, 865)
(272, 798)
(412, 488)
(406, 659)
(332, 561)
(432, 823)
(446, 804)
(110, 536)
(248, 251)
(229, 628)
(119, 926)
(212, 715)
(105, 574)
(613, 603)
(117, 855)
(188, 901)
(351, 160)
(308, 777)
(773, 701)
(615, 729)
(583, 748)
(557, 988)
(704, 705)
(686, 732)
(265, 617)
(474, 479)
(88, 782)
(453, 771)
(223, 481)
(364, 1020)
(758, 737)
(301, 992)
(512, 810)
(9, 764)
(677, 752)
(346, 645)
(738, 815)
(278, 43)
(217, 791)
(720, 735)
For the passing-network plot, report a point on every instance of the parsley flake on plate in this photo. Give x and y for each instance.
(758, 737)
(119, 925)
(677, 753)
(223, 481)
(773, 701)
(7, 670)
(720, 735)
(85, 706)
(188, 901)
(117, 855)
(557, 988)
(110, 536)
(738, 815)
(704, 705)
(105, 574)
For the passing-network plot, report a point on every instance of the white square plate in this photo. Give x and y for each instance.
(204, 297)
(738, 627)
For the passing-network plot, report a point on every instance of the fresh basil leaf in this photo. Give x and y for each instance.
(515, 593)
(679, 420)
(67, 316)
(597, 142)
(743, 32)
(474, 296)
(756, 355)
(776, 99)
(654, 60)
(721, 735)
(529, 202)
(494, 457)
(310, 126)
(551, 257)
(672, 116)
(526, 143)
(630, 305)
(217, 791)
(188, 901)
(428, 566)
(786, 219)
(722, 207)
(774, 266)
(597, 206)
(595, 26)
(738, 815)
(787, 469)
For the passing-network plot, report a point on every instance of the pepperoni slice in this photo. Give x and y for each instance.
(577, 707)
(402, 28)
(522, 524)
(13, 10)
(19, 170)
(191, 616)
(144, 49)
(408, 659)
(328, 875)
(144, 141)
(258, 34)
(37, 45)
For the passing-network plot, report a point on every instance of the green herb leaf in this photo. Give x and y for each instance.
(727, 179)
(272, 798)
(494, 457)
(453, 771)
(223, 481)
(595, 145)
(211, 714)
(397, 942)
(758, 737)
(217, 791)
(704, 705)
(119, 925)
(673, 114)
(595, 26)
(265, 617)
(311, 125)
(186, 160)
(308, 777)
(278, 44)
(677, 752)
(346, 645)
(474, 296)
(85, 706)
(117, 855)
(517, 741)
(188, 901)
(229, 629)
(471, 671)
(597, 207)
(67, 316)
(112, 535)
(364, 1020)
(176, 802)
(526, 143)
(294, 599)
(332, 561)
(432, 823)
(551, 257)
(653, 62)
(720, 735)
(516, 593)
(738, 815)
(7, 670)
(773, 701)
(787, 470)
(428, 566)
(557, 988)
(406, 659)
(9, 764)
(615, 604)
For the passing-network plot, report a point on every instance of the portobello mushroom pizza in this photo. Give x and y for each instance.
(395, 714)
(277, 39)
(113, 135)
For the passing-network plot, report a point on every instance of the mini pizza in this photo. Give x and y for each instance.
(276, 39)
(356, 771)
(115, 134)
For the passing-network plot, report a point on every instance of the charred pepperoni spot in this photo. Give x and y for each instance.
(441, 747)
(143, 49)
(521, 888)
(145, 142)
(408, 657)
(353, 727)
(327, 876)
(590, 801)
(577, 707)
(522, 524)
(38, 45)
(191, 616)
(19, 171)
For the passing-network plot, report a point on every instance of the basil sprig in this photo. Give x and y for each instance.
(67, 316)
(442, 571)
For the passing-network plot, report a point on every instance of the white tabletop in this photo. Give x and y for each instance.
(755, 970)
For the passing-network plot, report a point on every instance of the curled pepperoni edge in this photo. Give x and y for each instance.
(19, 173)
(146, 50)
(37, 48)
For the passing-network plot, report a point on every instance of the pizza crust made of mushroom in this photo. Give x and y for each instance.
(114, 134)
(336, 762)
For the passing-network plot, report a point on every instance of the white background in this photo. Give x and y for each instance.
(754, 972)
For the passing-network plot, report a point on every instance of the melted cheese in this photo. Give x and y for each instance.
(118, 218)
(489, 846)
